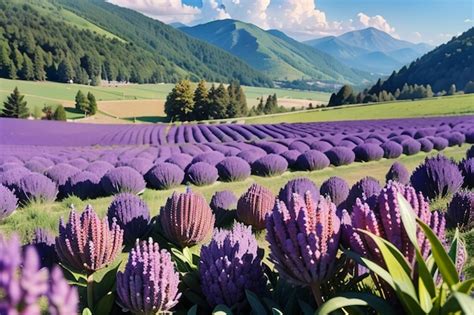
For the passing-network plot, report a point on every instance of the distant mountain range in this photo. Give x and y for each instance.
(371, 50)
(275, 54)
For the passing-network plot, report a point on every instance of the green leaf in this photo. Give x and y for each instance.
(105, 304)
(408, 219)
(221, 310)
(453, 249)
(193, 310)
(86, 311)
(426, 285)
(276, 312)
(356, 299)
(458, 303)
(442, 259)
(465, 286)
(257, 306)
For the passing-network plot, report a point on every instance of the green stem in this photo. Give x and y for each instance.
(90, 291)
(317, 293)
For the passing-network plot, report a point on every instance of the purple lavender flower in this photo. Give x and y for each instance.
(291, 156)
(336, 189)
(467, 170)
(131, 213)
(99, 168)
(411, 146)
(122, 179)
(270, 165)
(426, 145)
(251, 155)
(437, 177)
(186, 219)
(141, 165)
(439, 143)
(455, 138)
(321, 146)
(63, 299)
(254, 205)
(8, 202)
(11, 179)
(312, 160)
(86, 243)
(299, 146)
(212, 158)
(229, 265)
(298, 186)
(36, 188)
(365, 188)
(61, 172)
(367, 152)
(340, 156)
(233, 169)
(165, 176)
(149, 283)
(461, 210)
(398, 173)
(391, 150)
(79, 163)
(202, 173)
(223, 201)
(85, 185)
(304, 237)
(43, 242)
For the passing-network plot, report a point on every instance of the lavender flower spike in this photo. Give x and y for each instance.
(86, 243)
(229, 265)
(63, 299)
(149, 284)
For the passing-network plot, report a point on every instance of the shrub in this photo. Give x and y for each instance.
(337, 189)
(141, 165)
(201, 174)
(122, 179)
(131, 213)
(312, 160)
(340, 156)
(8, 202)
(11, 179)
(321, 146)
(254, 205)
(299, 146)
(437, 177)
(79, 163)
(461, 211)
(455, 138)
(36, 188)
(61, 172)
(36, 166)
(84, 185)
(182, 160)
(398, 173)
(426, 145)
(411, 146)
(298, 186)
(439, 143)
(270, 165)
(467, 170)
(251, 156)
(291, 156)
(368, 152)
(99, 168)
(233, 169)
(365, 188)
(223, 201)
(391, 150)
(164, 176)
(212, 158)
(43, 242)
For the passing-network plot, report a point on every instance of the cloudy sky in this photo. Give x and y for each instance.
(430, 21)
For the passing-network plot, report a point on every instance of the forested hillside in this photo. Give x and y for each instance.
(43, 39)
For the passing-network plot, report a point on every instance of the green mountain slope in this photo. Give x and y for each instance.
(450, 63)
(91, 40)
(274, 53)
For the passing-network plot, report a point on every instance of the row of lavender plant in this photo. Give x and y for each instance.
(307, 228)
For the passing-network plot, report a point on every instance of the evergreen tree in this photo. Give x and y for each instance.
(260, 106)
(15, 106)
(12, 71)
(27, 70)
(179, 103)
(242, 101)
(201, 102)
(37, 113)
(59, 113)
(82, 103)
(218, 101)
(268, 108)
(92, 103)
(65, 71)
(38, 63)
(48, 112)
(4, 59)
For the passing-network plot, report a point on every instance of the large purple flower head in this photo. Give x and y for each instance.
(340, 156)
(391, 150)
(122, 179)
(312, 160)
(229, 265)
(298, 186)
(337, 189)
(186, 219)
(43, 242)
(87, 243)
(467, 171)
(437, 177)
(398, 173)
(149, 283)
(84, 185)
(232, 169)
(165, 176)
(254, 205)
(131, 213)
(368, 152)
(8, 202)
(461, 210)
(202, 173)
(36, 188)
(11, 178)
(223, 201)
(9, 166)
(270, 165)
(303, 237)
(411, 146)
(365, 188)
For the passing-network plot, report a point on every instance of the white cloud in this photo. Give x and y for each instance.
(469, 21)
(376, 21)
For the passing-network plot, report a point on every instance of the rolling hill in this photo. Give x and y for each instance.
(274, 53)
(370, 49)
(84, 40)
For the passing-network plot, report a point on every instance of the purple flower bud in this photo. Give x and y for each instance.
(298, 186)
(186, 219)
(461, 210)
(254, 205)
(336, 189)
(398, 173)
(149, 283)
(8, 202)
(86, 243)
(122, 179)
(131, 213)
(165, 176)
(229, 265)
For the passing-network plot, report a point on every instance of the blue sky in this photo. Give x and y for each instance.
(431, 21)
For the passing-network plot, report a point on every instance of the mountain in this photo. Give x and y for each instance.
(357, 49)
(93, 39)
(450, 63)
(275, 54)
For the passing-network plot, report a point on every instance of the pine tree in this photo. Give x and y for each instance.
(92, 103)
(242, 101)
(15, 106)
(201, 102)
(219, 101)
(27, 70)
(268, 108)
(59, 113)
(4, 59)
(260, 106)
(82, 103)
(38, 64)
(12, 71)
(179, 103)
(65, 71)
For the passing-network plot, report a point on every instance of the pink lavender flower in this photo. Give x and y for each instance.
(254, 205)
(63, 299)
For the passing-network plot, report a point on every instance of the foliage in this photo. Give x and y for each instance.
(59, 113)
(15, 106)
